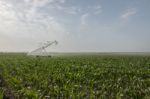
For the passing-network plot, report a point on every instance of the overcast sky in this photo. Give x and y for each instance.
(78, 25)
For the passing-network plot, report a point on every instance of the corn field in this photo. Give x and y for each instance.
(74, 77)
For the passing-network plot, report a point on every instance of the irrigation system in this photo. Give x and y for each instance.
(41, 51)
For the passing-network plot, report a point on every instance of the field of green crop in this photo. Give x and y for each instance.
(74, 77)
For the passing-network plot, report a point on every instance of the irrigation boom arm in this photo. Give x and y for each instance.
(45, 46)
(49, 44)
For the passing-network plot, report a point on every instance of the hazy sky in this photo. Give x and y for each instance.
(78, 25)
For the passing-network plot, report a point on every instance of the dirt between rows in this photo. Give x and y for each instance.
(8, 94)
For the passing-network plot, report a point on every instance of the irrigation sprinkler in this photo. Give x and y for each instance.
(41, 51)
